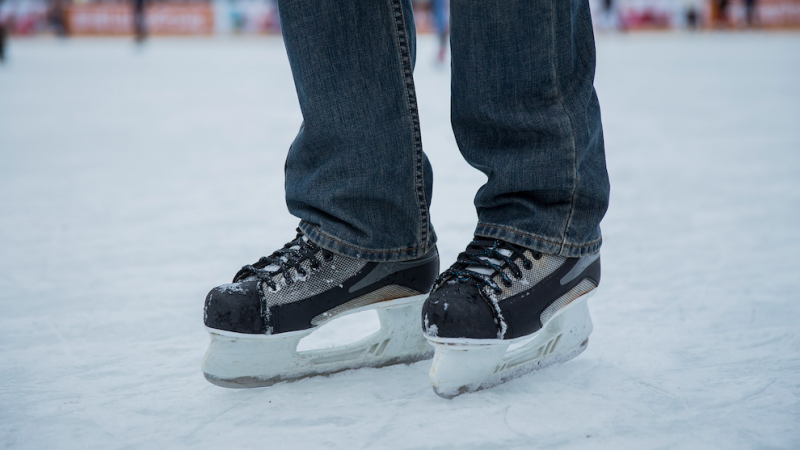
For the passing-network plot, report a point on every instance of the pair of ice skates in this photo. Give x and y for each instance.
(499, 312)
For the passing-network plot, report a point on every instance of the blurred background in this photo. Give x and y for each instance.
(208, 17)
(141, 164)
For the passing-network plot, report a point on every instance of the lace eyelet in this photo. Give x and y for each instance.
(327, 256)
(506, 283)
(527, 265)
(537, 256)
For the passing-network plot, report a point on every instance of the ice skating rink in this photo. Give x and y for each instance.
(133, 181)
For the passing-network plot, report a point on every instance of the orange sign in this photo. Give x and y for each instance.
(163, 19)
(768, 13)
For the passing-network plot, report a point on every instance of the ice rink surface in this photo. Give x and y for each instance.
(133, 181)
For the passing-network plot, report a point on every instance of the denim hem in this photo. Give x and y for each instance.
(340, 247)
(547, 245)
(406, 66)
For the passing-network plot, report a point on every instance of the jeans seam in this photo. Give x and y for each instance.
(359, 248)
(481, 224)
(571, 131)
(408, 80)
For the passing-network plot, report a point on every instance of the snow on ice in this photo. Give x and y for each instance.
(133, 182)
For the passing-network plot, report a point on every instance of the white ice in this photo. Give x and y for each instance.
(131, 182)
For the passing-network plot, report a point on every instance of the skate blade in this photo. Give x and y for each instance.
(462, 365)
(237, 360)
(249, 382)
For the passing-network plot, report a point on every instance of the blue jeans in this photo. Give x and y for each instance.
(524, 112)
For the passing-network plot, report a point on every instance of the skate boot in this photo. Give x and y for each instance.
(257, 321)
(502, 311)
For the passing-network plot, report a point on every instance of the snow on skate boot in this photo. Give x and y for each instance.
(257, 322)
(502, 311)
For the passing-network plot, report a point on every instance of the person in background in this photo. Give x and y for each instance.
(608, 14)
(139, 20)
(56, 17)
(722, 13)
(439, 16)
(692, 18)
(750, 12)
(2, 38)
(2, 42)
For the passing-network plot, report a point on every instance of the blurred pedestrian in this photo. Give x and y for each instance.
(56, 17)
(721, 7)
(691, 18)
(608, 11)
(2, 35)
(139, 20)
(439, 16)
(750, 9)
(2, 42)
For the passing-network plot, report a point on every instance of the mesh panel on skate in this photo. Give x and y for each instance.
(329, 275)
(540, 269)
(380, 295)
(582, 288)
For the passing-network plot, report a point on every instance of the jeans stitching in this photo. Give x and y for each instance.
(480, 224)
(408, 79)
(571, 132)
(326, 236)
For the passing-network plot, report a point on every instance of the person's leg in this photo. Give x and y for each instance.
(356, 174)
(358, 179)
(525, 113)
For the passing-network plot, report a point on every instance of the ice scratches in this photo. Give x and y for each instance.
(740, 399)
(212, 419)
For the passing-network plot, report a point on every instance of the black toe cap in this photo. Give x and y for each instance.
(458, 311)
(235, 307)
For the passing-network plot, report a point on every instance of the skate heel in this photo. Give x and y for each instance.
(239, 360)
(463, 365)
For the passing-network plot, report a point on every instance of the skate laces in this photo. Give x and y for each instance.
(291, 256)
(483, 260)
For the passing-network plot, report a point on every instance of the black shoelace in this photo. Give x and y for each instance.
(291, 256)
(480, 253)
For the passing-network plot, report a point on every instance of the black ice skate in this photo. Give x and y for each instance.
(257, 321)
(502, 311)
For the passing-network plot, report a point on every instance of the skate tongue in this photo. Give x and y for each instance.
(489, 270)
